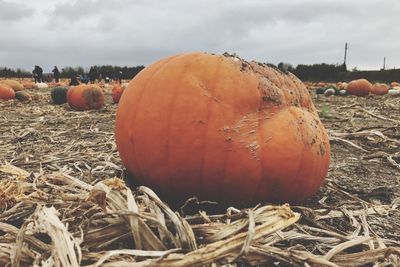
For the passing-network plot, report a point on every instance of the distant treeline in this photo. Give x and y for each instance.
(337, 73)
(127, 73)
(319, 72)
(314, 73)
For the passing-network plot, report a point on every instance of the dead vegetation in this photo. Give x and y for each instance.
(63, 200)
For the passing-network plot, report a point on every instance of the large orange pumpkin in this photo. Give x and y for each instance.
(222, 129)
(360, 87)
(379, 89)
(116, 92)
(85, 97)
(6, 92)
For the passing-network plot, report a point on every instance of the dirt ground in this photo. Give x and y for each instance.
(369, 166)
(364, 134)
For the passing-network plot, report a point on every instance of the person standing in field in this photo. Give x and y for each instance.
(34, 75)
(74, 80)
(119, 76)
(92, 75)
(56, 73)
(39, 74)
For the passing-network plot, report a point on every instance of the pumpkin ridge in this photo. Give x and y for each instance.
(211, 90)
(228, 153)
(259, 138)
(261, 168)
(169, 119)
(295, 117)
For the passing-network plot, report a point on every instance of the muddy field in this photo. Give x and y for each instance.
(360, 197)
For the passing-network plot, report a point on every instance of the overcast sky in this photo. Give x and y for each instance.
(139, 32)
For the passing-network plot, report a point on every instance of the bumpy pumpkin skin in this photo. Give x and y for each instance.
(360, 87)
(379, 89)
(6, 92)
(116, 93)
(85, 97)
(221, 129)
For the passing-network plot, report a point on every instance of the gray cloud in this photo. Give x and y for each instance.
(10, 11)
(124, 32)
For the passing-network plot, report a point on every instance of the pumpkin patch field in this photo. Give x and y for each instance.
(66, 198)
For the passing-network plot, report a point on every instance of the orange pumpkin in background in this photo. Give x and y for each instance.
(28, 85)
(85, 97)
(379, 89)
(15, 85)
(223, 129)
(394, 84)
(360, 87)
(6, 92)
(116, 92)
(342, 85)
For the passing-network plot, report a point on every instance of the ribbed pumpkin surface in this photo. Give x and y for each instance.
(222, 129)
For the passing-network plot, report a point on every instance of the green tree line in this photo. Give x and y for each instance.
(315, 72)
(110, 71)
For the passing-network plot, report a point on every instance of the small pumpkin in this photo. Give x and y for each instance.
(6, 92)
(394, 91)
(42, 85)
(223, 129)
(330, 91)
(320, 90)
(394, 84)
(15, 85)
(23, 96)
(85, 97)
(116, 92)
(59, 95)
(360, 87)
(379, 89)
(342, 85)
(28, 85)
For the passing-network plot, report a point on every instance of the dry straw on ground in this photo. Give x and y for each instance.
(58, 220)
(61, 203)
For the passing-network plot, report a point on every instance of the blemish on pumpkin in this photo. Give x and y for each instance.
(228, 139)
(322, 149)
(93, 98)
(253, 148)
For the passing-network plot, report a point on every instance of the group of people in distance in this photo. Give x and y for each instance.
(37, 75)
(93, 75)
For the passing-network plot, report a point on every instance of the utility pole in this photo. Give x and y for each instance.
(345, 53)
(384, 63)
